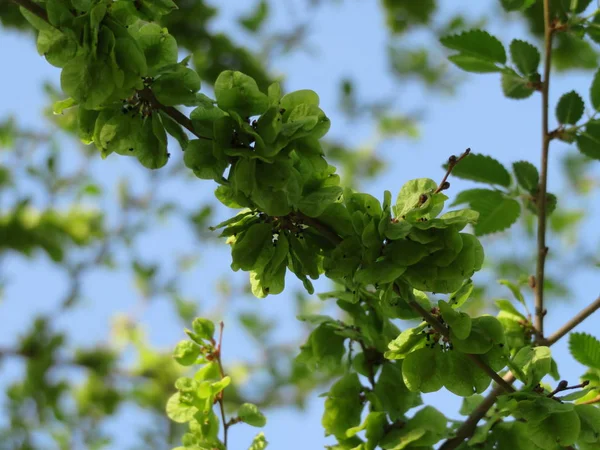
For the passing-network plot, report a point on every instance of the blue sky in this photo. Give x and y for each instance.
(351, 39)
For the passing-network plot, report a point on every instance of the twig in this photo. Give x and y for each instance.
(147, 95)
(369, 364)
(591, 401)
(452, 162)
(331, 235)
(563, 385)
(468, 427)
(443, 330)
(542, 249)
(580, 317)
(33, 8)
(221, 401)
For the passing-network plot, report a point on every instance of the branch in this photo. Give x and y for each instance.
(443, 330)
(147, 95)
(542, 249)
(452, 162)
(591, 401)
(468, 427)
(580, 317)
(33, 8)
(221, 401)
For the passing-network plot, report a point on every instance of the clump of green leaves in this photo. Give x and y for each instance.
(197, 397)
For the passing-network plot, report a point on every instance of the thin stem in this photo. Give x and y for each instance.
(452, 162)
(443, 330)
(467, 429)
(221, 401)
(171, 111)
(580, 317)
(542, 249)
(369, 364)
(33, 8)
(591, 401)
(469, 426)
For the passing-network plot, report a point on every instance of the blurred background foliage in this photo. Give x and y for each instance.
(55, 207)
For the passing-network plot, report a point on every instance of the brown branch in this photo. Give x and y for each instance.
(33, 8)
(580, 317)
(452, 162)
(591, 401)
(443, 330)
(542, 249)
(468, 427)
(369, 363)
(220, 399)
(147, 95)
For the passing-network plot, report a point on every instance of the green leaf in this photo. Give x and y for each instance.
(527, 175)
(238, 92)
(323, 350)
(482, 168)
(569, 108)
(461, 376)
(315, 203)
(469, 404)
(343, 406)
(595, 91)
(477, 43)
(534, 362)
(259, 442)
(395, 397)
(588, 141)
(459, 322)
(496, 211)
(589, 416)
(254, 248)
(462, 295)
(408, 197)
(179, 410)
(159, 47)
(204, 328)
(186, 353)
(175, 130)
(516, 290)
(585, 349)
(251, 415)
(421, 370)
(253, 22)
(516, 5)
(562, 429)
(408, 341)
(89, 82)
(525, 56)
(199, 157)
(514, 86)
(486, 332)
(473, 64)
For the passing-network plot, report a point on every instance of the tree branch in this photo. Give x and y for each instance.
(468, 427)
(220, 399)
(542, 249)
(33, 8)
(147, 95)
(580, 317)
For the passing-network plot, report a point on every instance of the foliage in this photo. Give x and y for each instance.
(386, 259)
